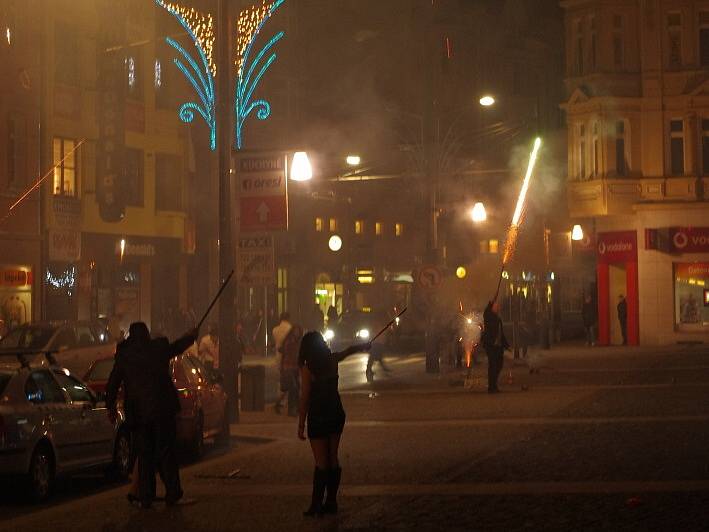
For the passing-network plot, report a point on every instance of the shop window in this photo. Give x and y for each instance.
(676, 147)
(359, 227)
(494, 245)
(378, 228)
(704, 38)
(319, 222)
(134, 177)
(692, 296)
(168, 182)
(674, 40)
(66, 54)
(64, 159)
(398, 229)
(333, 224)
(621, 166)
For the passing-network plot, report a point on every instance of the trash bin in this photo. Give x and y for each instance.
(253, 392)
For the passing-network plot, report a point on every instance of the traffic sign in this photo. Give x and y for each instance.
(263, 192)
(255, 260)
(429, 277)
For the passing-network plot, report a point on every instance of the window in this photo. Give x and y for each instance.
(705, 147)
(398, 229)
(134, 177)
(42, 388)
(596, 151)
(593, 52)
(66, 55)
(168, 182)
(582, 152)
(620, 161)
(674, 37)
(618, 43)
(64, 167)
(494, 245)
(704, 38)
(378, 228)
(76, 391)
(318, 224)
(676, 147)
(359, 227)
(578, 64)
(333, 224)
(691, 282)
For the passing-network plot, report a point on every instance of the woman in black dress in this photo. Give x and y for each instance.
(320, 404)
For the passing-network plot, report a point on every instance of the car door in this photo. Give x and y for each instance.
(61, 421)
(97, 433)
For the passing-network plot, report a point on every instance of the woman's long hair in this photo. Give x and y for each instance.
(313, 351)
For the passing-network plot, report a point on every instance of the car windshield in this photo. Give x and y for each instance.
(4, 379)
(101, 370)
(27, 337)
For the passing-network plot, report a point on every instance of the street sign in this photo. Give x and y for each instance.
(429, 277)
(255, 260)
(263, 192)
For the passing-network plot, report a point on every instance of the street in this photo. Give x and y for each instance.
(606, 438)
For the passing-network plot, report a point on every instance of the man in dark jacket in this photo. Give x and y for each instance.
(623, 317)
(495, 343)
(151, 402)
(589, 313)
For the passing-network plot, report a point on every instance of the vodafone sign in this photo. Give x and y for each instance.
(618, 246)
(689, 239)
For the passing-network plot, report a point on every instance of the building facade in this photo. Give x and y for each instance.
(638, 161)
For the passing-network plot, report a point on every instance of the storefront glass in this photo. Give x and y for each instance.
(691, 296)
(15, 297)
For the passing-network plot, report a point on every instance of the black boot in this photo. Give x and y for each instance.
(333, 484)
(319, 483)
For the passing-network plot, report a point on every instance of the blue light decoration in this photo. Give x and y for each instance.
(249, 25)
(200, 74)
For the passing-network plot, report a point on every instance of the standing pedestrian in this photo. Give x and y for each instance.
(280, 332)
(209, 348)
(142, 367)
(321, 406)
(623, 317)
(290, 379)
(589, 313)
(495, 344)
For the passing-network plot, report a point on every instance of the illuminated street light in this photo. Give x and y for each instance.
(301, 170)
(335, 243)
(577, 233)
(353, 160)
(478, 213)
(487, 101)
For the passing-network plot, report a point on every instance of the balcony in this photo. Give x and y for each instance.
(608, 197)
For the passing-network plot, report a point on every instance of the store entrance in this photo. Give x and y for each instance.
(329, 295)
(617, 283)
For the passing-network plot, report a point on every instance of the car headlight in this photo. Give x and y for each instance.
(329, 334)
(363, 333)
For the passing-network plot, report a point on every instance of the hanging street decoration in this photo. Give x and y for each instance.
(249, 72)
(200, 74)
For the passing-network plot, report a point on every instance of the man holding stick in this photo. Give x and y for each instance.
(495, 343)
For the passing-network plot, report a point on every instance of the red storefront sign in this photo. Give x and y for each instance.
(689, 239)
(695, 269)
(618, 246)
(15, 278)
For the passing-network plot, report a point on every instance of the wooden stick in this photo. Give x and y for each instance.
(388, 325)
(221, 289)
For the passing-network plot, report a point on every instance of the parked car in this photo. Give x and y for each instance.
(203, 411)
(52, 424)
(74, 344)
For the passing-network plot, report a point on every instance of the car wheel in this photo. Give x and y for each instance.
(197, 447)
(121, 455)
(41, 474)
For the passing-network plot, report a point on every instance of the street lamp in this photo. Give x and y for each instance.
(301, 170)
(353, 160)
(577, 233)
(487, 101)
(478, 213)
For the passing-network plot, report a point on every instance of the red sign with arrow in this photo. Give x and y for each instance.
(263, 193)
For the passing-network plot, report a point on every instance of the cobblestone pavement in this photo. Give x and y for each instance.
(600, 439)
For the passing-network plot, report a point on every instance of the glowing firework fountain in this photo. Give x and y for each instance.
(513, 231)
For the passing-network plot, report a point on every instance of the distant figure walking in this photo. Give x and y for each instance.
(376, 354)
(623, 317)
(321, 406)
(280, 332)
(589, 313)
(332, 316)
(151, 404)
(495, 343)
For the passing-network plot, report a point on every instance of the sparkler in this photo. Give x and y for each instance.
(37, 183)
(513, 231)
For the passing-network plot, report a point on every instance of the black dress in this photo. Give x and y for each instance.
(326, 416)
